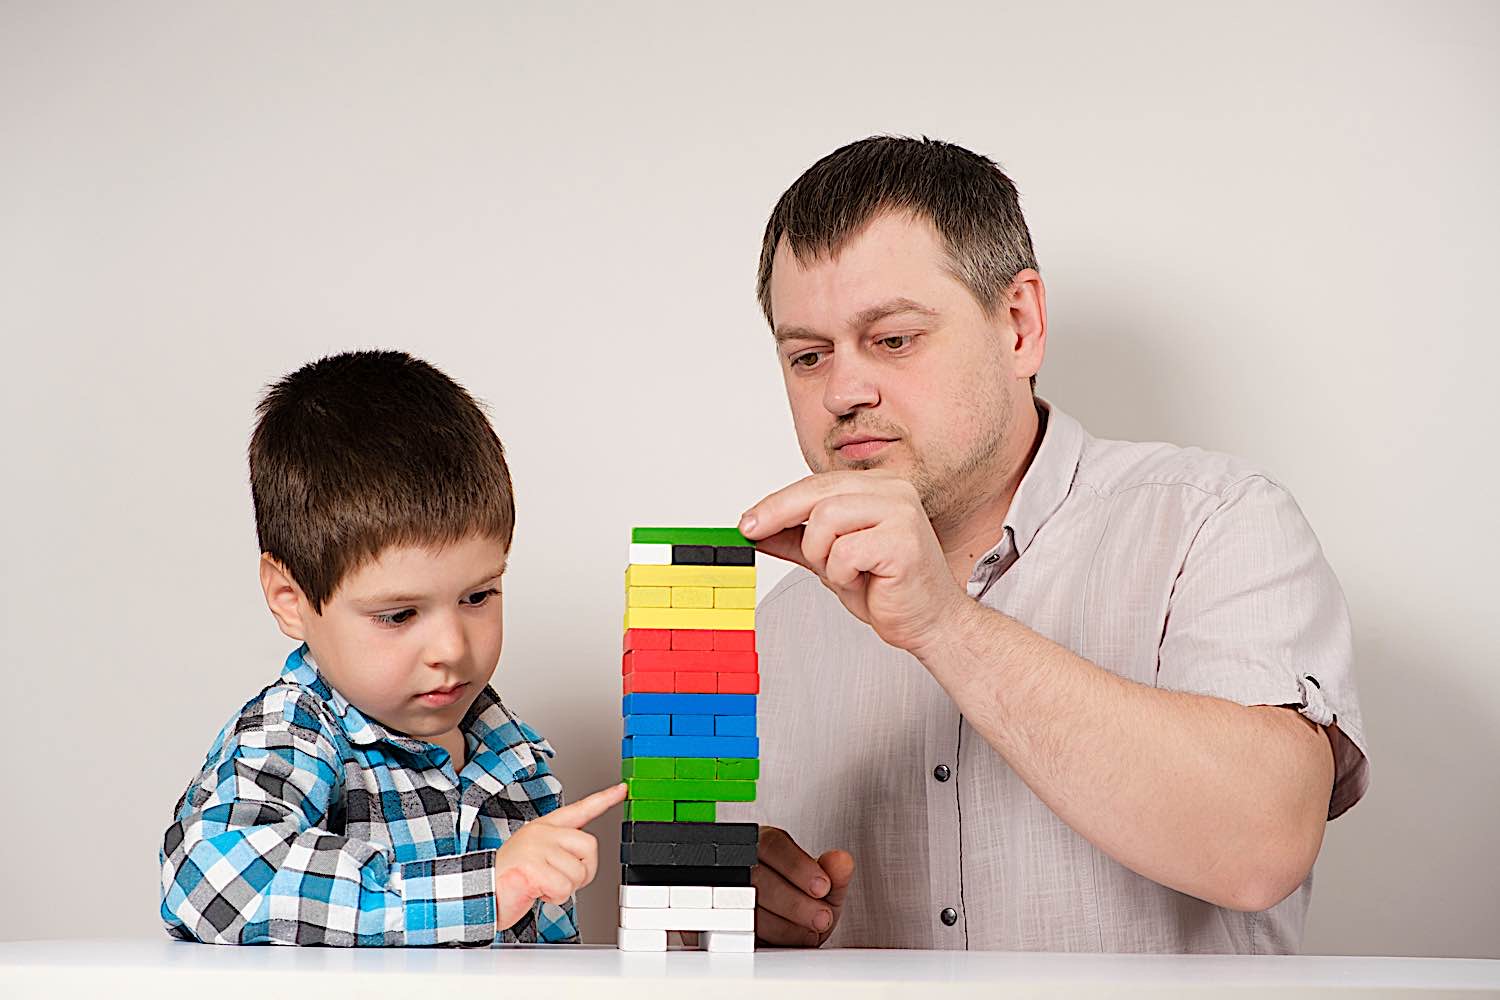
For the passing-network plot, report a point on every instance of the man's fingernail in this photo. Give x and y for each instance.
(820, 887)
(747, 523)
(822, 919)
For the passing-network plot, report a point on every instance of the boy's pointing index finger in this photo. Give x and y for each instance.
(587, 809)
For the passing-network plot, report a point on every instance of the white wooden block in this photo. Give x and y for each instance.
(650, 555)
(734, 897)
(641, 939)
(682, 918)
(736, 941)
(644, 897)
(697, 897)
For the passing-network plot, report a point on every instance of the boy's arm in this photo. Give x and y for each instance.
(248, 860)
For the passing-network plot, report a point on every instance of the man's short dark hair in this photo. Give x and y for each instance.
(358, 452)
(973, 206)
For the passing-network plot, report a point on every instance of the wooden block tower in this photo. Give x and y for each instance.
(690, 683)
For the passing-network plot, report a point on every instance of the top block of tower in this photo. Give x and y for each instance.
(689, 536)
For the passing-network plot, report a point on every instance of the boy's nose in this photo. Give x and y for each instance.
(446, 644)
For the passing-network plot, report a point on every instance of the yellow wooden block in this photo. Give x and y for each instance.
(637, 575)
(712, 618)
(692, 597)
(648, 597)
(734, 597)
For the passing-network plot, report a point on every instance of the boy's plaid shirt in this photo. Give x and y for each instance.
(311, 824)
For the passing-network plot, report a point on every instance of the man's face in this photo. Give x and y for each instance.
(890, 362)
(411, 638)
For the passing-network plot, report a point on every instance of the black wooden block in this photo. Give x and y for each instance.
(734, 855)
(641, 832)
(734, 555)
(682, 875)
(692, 555)
(697, 855)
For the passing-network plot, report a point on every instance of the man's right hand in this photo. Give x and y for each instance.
(797, 898)
(550, 858)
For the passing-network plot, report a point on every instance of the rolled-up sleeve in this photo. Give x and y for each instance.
(1257, 617)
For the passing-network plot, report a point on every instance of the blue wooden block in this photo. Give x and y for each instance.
(687, 704)
(648, 725)
(695, 725)
(734, 725)
(689, 746)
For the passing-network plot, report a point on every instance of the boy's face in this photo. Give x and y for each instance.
(410, 638)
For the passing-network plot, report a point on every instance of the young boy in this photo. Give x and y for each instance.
(379, 793)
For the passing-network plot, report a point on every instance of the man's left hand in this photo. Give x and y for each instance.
(868, 539)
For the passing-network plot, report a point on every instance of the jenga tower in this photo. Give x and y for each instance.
(690, 681)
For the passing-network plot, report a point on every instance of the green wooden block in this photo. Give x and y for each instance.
(647, 767)
(737, 768)
(688, 536)
(649, 811)
(695, 812)
(684, 790)
(699, 768)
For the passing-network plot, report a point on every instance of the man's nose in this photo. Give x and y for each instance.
(850, 386)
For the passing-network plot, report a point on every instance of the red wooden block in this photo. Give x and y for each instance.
(735, 663)
(738, 683)
(648, 638)
(735, 640)
(692, 638)
(642, 682)
(695, 682)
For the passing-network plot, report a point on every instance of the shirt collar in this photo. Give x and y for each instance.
(491, 732)
(1047, 482)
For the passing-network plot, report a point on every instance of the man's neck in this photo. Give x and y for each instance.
(983, 523)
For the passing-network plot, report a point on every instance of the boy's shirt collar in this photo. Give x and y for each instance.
(489, 730)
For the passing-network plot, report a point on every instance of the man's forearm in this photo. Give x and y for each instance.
(1223, 802)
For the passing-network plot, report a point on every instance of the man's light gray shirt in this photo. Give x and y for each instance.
(1173, 567)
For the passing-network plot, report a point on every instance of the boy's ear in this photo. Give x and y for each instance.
(283, 597)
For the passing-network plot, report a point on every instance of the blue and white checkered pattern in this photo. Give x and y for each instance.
(312, 824)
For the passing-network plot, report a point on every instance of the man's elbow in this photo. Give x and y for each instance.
(1275, 872)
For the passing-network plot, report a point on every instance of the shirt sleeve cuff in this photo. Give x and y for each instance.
(449, 900)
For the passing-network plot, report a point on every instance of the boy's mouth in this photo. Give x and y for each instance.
(443, 696)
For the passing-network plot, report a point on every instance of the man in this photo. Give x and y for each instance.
(1042, 691)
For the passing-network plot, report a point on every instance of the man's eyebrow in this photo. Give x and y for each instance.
(392, 599)
(863, 318)
(891, 307)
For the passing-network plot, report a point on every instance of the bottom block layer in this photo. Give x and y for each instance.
(684, 918)
(641, 939)
(733, 941)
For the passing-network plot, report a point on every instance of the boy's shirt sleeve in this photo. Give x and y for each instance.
(250, 858)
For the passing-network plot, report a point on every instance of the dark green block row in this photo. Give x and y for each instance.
(697, 768)
(688, 790)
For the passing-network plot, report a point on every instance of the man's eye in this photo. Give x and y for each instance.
(897, 342)
(807, 360)
(479, 597)
(395, 618)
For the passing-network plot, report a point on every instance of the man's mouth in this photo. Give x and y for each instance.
(859, 447)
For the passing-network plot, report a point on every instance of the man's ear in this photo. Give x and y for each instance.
(283, 597)
(1026, 308)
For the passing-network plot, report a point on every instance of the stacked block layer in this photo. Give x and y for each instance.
(689, 680)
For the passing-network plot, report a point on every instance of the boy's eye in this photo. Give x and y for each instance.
(395, 617)
(479, 597)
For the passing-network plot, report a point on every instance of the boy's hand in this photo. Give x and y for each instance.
(797, 898)
(550, 858)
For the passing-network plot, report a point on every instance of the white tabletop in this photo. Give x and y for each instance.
(164, 969)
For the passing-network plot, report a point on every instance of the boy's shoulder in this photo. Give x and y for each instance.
(286, 712)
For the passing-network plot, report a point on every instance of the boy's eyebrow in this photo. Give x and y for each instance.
(387, 599)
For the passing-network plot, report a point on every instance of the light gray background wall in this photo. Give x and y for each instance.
(1266, 228)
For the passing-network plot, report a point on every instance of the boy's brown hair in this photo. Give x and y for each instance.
(361, 451)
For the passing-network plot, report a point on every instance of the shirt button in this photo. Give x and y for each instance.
(949, 916)
(941, 772)
(992, 558)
